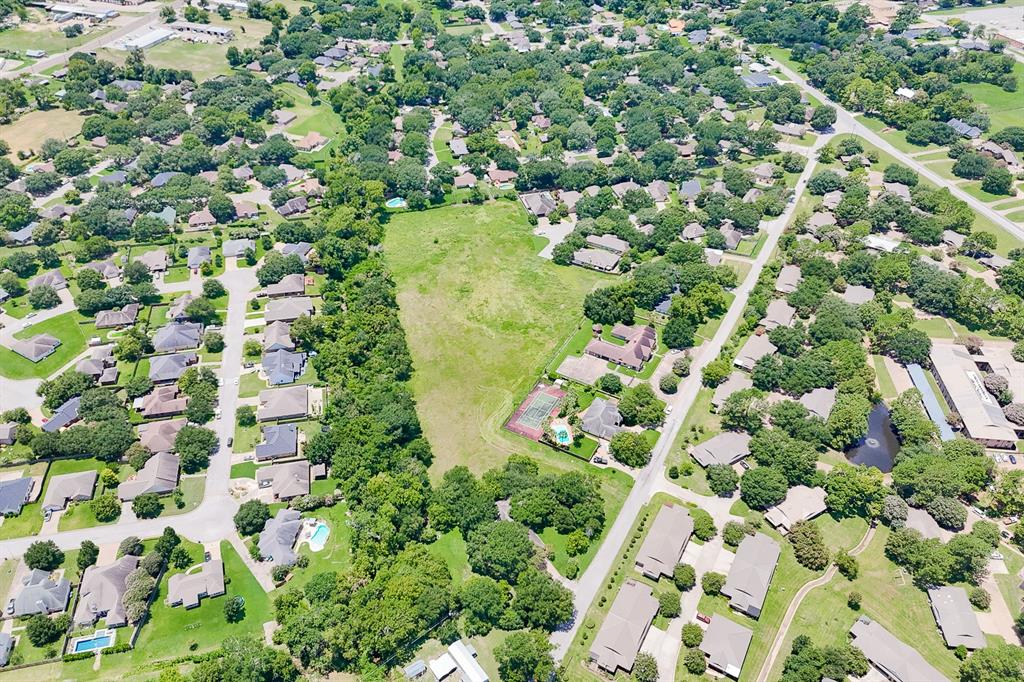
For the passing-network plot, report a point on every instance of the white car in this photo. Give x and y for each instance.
(996, 555)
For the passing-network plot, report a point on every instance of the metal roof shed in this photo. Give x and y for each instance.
(471, 670)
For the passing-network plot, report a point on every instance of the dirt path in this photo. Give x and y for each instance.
(794, 605)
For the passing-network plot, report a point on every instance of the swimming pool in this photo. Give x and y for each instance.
(100, 639)
(562, 435)
(319, 537)
(397, 202)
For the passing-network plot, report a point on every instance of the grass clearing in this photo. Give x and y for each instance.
(66, 327)
(29, 131)
(889, 597)
(1003, 108)
(483, 314)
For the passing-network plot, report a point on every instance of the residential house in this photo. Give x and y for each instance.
(893, 659)
(279, 440)
(102, 593)
(788, 280)
(801, 504)
(165, 368)
(197, 255)
(125, 317)
(176, 336)
(277, 336)
(725, 643)
(159, 475)
(751, 574)
(639, 347)
(665, 542)
(187, 589)
(539, 204)
(727, 447)
(65, 415)
(300, 249)
(41, 594)
(201, 219)
(293, 206)
(736, 381)
(64, 488)
(602, 418)
(625, 627)
(283, 403)
(278, 537)
(162, 401)
(290, 285)
(955, 617)
(753, 350)
(14, 494)
(288, 309)
(819, 401)
(236, 248)
(160, 436)
(36, 348)
(155, 260)
(608, 242)
(54, 279)
(285, 480)
(283, 367)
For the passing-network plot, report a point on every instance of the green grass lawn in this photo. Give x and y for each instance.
(67, 327)
(483, 315)
(246, 438)
(192, 491)
(250, 385)
(243, 470)
(975, 190)
(885, 383)
(889, 597)
(700, 424)
(897, 138)
(452, 548)
(1003, 108)
(171, 631)
(441, 139)
(1009, 583)
(335, 556)
(176, 274)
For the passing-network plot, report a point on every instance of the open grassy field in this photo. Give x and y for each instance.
(29, 131)
(482, 313)
(889, 597)
(37, 36)
(1003, 108)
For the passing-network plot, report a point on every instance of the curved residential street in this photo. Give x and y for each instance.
(212, 519)
(652, 478)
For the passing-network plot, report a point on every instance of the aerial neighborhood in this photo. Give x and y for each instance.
(512, 341)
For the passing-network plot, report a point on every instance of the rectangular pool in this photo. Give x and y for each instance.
(99, 641)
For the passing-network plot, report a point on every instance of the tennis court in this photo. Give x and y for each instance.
(541, 403)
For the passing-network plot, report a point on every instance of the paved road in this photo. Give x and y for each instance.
(649, 480)
(847, 123)
(787, 620)
(212, 520)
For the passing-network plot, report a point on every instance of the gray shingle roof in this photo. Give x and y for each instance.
(665, 542)
(751, 573)
(188, 589)
(41, 594)
(279, 440)
(69, 488)
(65, 414)
(955, 617)
(170, 367)
(725, 643)
(624, 628)
(13, 495)
(102, 592)
(602, 418)
(278, 537)
(177, 336)
(897, 661)
(159, 475)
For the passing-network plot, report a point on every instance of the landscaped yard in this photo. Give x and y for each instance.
(171, 631)
(482, 314)
(67, 328)
(335, 556)
(889, 597)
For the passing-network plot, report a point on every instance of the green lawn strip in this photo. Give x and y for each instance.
(250, 385)
(889, 597)
(885, 383)
(935, 327)
(172, 632)
(698, 425)
(442, 136)
(177, 274)
(243, 470)
(576, 659)
(897, 138)
(1005, 242)
(1003, 108)
(1016, 216)
(975, 190)
(7, 569)
(192, 488)
(72, 334)
(335, 556)
(1009, 583)
(483, 316)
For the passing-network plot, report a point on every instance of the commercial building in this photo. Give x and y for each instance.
(955, 617)
(962, 384)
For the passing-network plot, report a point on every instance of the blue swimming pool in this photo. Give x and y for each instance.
(397, 202)
(319, 537)
(562, 435)
(99, 640)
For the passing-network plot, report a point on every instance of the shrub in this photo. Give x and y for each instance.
(1015, 413)
(279, 574)
(684, 577)
(673, 472)
(853, 600)
(681, 366)
(645, 668)
(669, 383)
(734, 532)
(130, 545)
(847, 565)
(712, 583)
(234, 608)
(980, 599)
(693, 635)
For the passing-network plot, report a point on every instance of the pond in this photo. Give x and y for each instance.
(880, 445)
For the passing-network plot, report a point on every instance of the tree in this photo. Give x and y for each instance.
(147, 506)
(630, 448)
(41, 297)
(998, 663)
(251, 517)
(639, 405)
(763, 487)
(105, 507)
(540, 601)
(214, 342)
(44, 555)
(212, 289)
(722, 479)
(610, 383)
(808, 545)
(499, 549)
(645, 668)
(948, 513)
(460, 501)
(525, 656)
(854, 490)
(847, 565)
(669, 383)
(483, 602)
(668, 604)
(194, 445)
(979, 598)
(823, 117)
(180, 558)
(703, 525)
(87, 555)
(998, 181)
(712, 583)
(234, 609)
(42, 630)
(695, 662)
(131, 545)
(692, 635)
(684, 577)
(246, 415)
(167, 542)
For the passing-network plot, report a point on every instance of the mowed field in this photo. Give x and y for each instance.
(483, 314)
(29, 131)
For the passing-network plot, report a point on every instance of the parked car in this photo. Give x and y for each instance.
(703, 618)
(1013, 459)
(10, 606)
(47, 514)
(598, 459)
(745, 465)
(996, 555)
(1005, 534)
(231, 441)
(206, 556)
(977, 511)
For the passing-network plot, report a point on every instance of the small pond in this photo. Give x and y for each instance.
(880, 445)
